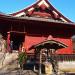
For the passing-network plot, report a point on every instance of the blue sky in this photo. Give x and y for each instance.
(66, 7)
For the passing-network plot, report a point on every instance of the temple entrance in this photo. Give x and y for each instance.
(16, 40)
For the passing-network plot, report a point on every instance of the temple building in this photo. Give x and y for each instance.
(39, 28)
(37, 24)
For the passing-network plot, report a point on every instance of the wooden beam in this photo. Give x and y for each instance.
(17, 32)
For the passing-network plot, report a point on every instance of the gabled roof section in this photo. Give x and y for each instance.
(41, 9)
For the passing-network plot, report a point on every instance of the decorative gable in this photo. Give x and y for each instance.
(42, 9)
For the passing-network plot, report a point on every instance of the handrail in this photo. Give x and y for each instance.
(64, 57)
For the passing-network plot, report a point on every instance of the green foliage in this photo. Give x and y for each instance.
(22, 58)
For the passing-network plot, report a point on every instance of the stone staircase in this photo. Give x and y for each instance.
(8, 61)
(9, 65)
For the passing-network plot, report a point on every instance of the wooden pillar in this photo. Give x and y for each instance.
(35, 55)
(8, 41)
(40, 63)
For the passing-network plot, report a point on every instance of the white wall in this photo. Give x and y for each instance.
(68, 66)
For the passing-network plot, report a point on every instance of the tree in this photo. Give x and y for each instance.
(22, 58)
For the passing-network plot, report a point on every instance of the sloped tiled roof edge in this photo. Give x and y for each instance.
(35, 19)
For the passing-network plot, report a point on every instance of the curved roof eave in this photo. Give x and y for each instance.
(10, 17)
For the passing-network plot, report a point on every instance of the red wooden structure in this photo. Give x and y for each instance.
(36, 24)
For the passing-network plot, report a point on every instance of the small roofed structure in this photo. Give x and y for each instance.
(48, 47)
(50, 44)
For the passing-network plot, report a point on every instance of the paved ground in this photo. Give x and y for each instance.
(18, 72)
(26, 72)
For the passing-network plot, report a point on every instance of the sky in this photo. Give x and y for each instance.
(66, 7)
